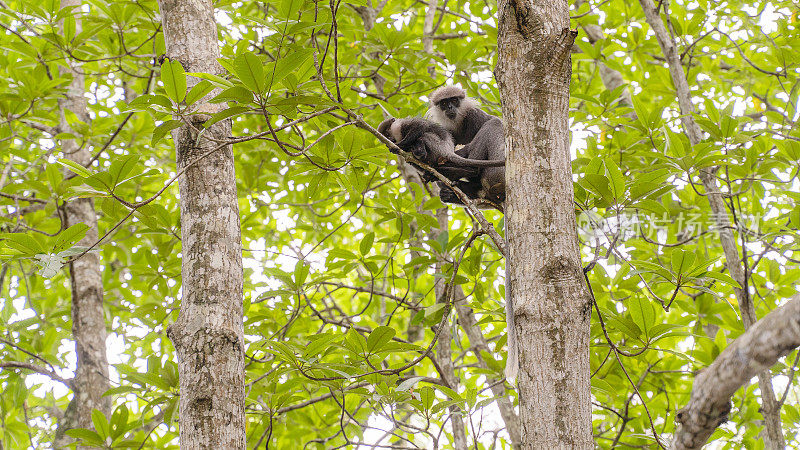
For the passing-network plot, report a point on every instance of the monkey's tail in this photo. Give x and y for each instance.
(512, 362)
(477, 162)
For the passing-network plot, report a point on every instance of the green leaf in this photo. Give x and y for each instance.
(250, 71)
(174, 79)
(54, 176)
(226, 113)
(409, 383)
(216, 80)
(200, 90)
(597, 184)
(320, 343)
(300, 273)
(355, 342)
(163, 129)
(366, 243)
(75, 167)
(617, 180)
(143, 102)
(674, 143)
(237, 94)
(682, 260)
(100, 423)
(121, 167)
(622, 324)
(723, 278)
(70, 236)
(642, 312)
(87, 436)
(68, 28)
(294, 62)
(119, 421)
(24, 243)
(379, 336)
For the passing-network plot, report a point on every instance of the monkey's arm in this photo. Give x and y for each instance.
(472, 189)
(448, 195)
(488, 143)
(411, 139)
(455, 173)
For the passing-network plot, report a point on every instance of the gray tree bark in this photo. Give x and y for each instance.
(88, 319)
(209, 332)
(772, 337)
(552, 305)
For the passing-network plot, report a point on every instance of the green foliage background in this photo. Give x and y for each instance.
(339, 248)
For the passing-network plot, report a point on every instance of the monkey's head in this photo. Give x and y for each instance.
(385, 128)
(448, 99)
(393, 130)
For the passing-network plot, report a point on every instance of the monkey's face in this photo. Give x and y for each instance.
(449, 106)
(395, 131)
(419, 152)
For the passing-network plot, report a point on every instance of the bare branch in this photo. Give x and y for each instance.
(772, 337)
(37, 369)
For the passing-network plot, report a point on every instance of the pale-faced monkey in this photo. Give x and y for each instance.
(481, 134)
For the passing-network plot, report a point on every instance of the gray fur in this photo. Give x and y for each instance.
(430, 143)
(482, 135)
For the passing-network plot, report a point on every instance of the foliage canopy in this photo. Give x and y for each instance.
(339, 249)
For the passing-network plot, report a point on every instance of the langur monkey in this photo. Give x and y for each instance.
(481, 134)
(433, 144)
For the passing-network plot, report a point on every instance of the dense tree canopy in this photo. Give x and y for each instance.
(342, 248)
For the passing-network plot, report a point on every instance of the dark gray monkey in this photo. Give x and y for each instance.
(433, 144)
(481, 134)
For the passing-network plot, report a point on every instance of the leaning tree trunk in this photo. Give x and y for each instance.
(209, 333)
(552, 305)
(88, 320)
(770, 407)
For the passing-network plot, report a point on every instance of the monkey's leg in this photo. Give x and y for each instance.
(471, 188)
(454, 173)
(496, 192)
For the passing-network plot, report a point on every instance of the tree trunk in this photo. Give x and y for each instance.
(88, 319)
(444, 354)
(552, 305)
(209, 333)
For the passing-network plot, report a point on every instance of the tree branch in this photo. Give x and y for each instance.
(37, 369)
(772, 337)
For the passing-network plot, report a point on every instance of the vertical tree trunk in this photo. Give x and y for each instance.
(545, 280)
(209, 333)
(88, 319)
(444, 355)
